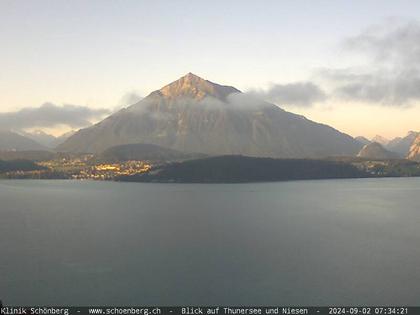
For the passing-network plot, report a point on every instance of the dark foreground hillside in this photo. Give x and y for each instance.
(236, 169)
(18, 165)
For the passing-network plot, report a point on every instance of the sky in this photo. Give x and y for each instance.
(354, 65)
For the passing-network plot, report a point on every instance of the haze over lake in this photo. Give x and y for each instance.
(287, 243)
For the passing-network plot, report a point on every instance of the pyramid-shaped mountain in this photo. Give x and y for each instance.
(198, 116)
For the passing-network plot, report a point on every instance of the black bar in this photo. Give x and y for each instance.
(201, 310)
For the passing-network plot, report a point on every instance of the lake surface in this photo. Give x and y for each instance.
(289, 243)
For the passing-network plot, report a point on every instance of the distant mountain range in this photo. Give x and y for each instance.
(401, 145)
(381, 140)
(40, 137)
(46, 139)
(375, 150)
(193, 115)
(30, 141)
(12, 141)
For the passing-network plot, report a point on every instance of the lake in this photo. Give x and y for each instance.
(319, 242)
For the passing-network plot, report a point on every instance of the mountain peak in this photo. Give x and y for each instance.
(381, 140)
(192, 76)
(195, 87)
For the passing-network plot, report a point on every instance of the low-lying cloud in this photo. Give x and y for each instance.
(50, 115)
(128, 99)
(301, 94)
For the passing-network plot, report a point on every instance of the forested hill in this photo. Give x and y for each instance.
(18, 165)
(233, 169)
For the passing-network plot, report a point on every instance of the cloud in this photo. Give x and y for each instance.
(50, 115)
(392, 40)
(399, 90)
(234, 101)
(302, 94)
(245, 101)
(391, 75)
(128, 99)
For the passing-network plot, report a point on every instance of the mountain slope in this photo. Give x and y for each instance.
(414, 153)
(140, 151)
(196, 115)
(12, 141)
(45, 139)
(40, 137)
(381, 140)
(362, 140)
(62, 138)
(402, 145)
(375, 150)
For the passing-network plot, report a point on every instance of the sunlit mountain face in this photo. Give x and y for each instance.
(414, 153)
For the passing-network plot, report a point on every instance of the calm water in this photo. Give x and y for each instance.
(304, 242)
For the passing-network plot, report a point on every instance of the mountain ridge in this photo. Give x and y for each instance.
(375, 150)
(380, 139)
(401, 145)
(230, 169)
(12, 141)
